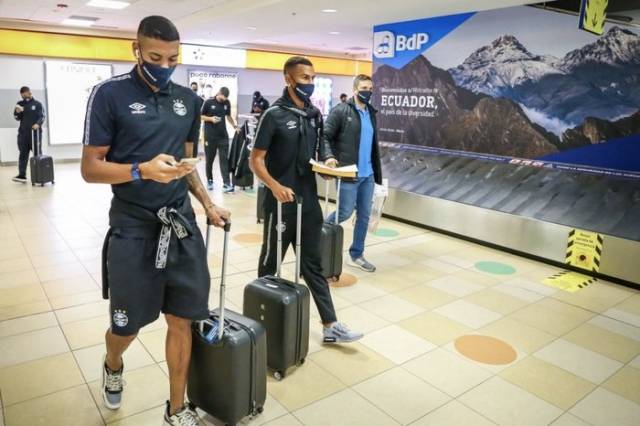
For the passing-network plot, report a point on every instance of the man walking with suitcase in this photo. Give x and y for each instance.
(350, 137)
(138, 126)
(216, 111)
(287, 138)
(30, 114)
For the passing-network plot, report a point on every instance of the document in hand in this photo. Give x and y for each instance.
(346, 171)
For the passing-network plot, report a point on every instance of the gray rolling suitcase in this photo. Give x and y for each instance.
(228, 376)
(332, 240)
(41, 166)
(282, 307)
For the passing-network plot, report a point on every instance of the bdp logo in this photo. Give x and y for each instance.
(384, 44)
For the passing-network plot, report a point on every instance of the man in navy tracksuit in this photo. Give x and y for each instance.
(30, 114)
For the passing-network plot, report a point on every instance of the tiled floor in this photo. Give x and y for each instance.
(578, 357)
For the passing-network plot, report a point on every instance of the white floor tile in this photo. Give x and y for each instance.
(455, 286)
(604, 408)
(397, 344)
(468, 314)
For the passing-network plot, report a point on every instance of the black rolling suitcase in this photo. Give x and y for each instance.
(262, 192)
(282, 307)
(332, 240)
(228, 377)
(41, 165)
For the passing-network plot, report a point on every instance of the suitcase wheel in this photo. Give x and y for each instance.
(278, 375)
(301, 362)
(257, 411)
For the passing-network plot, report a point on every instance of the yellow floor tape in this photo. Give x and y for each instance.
(569, 281)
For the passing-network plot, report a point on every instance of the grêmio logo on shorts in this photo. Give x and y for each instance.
(120, 318)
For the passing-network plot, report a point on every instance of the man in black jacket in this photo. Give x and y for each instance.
(287, 137)
(30, 114)
(350, 137)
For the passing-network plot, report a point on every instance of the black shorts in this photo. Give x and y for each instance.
(139, 291)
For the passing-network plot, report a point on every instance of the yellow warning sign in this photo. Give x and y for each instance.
(584, 250)
(593, 14)
(569, 281)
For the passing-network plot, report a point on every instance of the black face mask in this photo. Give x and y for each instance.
(365, 95)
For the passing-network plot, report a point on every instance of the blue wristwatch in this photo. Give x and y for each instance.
(135, 171)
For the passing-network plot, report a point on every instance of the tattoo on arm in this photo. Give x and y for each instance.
(197, 189)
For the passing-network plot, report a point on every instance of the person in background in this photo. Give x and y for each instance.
(350, 137)
(30, 114)
(194, 88)
(216, 138)
(259, 104)
(154, 254)
(287, 137)
(343, 98)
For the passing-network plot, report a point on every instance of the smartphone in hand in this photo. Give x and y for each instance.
(189, 161)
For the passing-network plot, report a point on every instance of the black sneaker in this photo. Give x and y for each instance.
(112, 384)
(183, 417)
(20, 179)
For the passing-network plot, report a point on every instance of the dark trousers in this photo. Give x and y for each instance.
(310, 265)
(25, 144)
(213, 146)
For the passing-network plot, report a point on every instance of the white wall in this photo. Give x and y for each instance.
(20, 71)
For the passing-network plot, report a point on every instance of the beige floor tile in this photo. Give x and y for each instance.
(568, 419)
(616, 326)
(597, 297)
(526, 296)
(551, 321)
(604, 342)
(361, 319)
(496, 301)
(359, 292)
(479, 278)
(605, 408)
(636, 362)
(287, 420)
(401, 395)
(530, 285)
(152, 417)
(9, 280)
(389, 282)
(579, 361)
(520, 335)
(392, 308)
(37, 378)
(425, 296)
(82, 312)
(26, 324)
(343, 408)
(60, 258)
(85, 333)
(90, 359)
(25, 309)
(626, 383)
(15, 265)
(21, 295)
(80, 283)
(303, 386)
(406, 345)
(159, 324)
(154, 343)
(146, 388)
(546, 381)
(69, 407)
(468, 314)
(440, 266)
(31, 346)
(458, 287)
(58, 272)
(451, 414)
(351, 364)
(447, 371)
(68, 301)
(507, 404)
(434, 328)
(623, 315)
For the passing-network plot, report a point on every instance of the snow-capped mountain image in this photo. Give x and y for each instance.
(601, 79)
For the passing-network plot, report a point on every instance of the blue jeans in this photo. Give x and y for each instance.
(356, 195)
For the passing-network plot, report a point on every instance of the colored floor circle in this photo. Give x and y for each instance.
(486, 349)
(345, 280)
(386, 233)
(248, 238)
(495, 268)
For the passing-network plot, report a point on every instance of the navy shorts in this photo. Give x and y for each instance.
(139, 292)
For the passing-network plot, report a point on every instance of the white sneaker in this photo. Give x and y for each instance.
(184, 417)
(112, 385)
(340, 333)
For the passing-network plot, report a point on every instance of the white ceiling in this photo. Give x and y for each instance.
(284, 25)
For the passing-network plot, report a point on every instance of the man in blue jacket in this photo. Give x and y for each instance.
(350, 137)
(30, 114)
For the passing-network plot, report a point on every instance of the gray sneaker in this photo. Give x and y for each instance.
(340, 333)
(112, 384)
(185, 417)
(362, 263)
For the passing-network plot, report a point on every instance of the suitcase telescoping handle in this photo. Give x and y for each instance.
(326, 199)
(223, 278)
(280, 228)
(36, 143)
